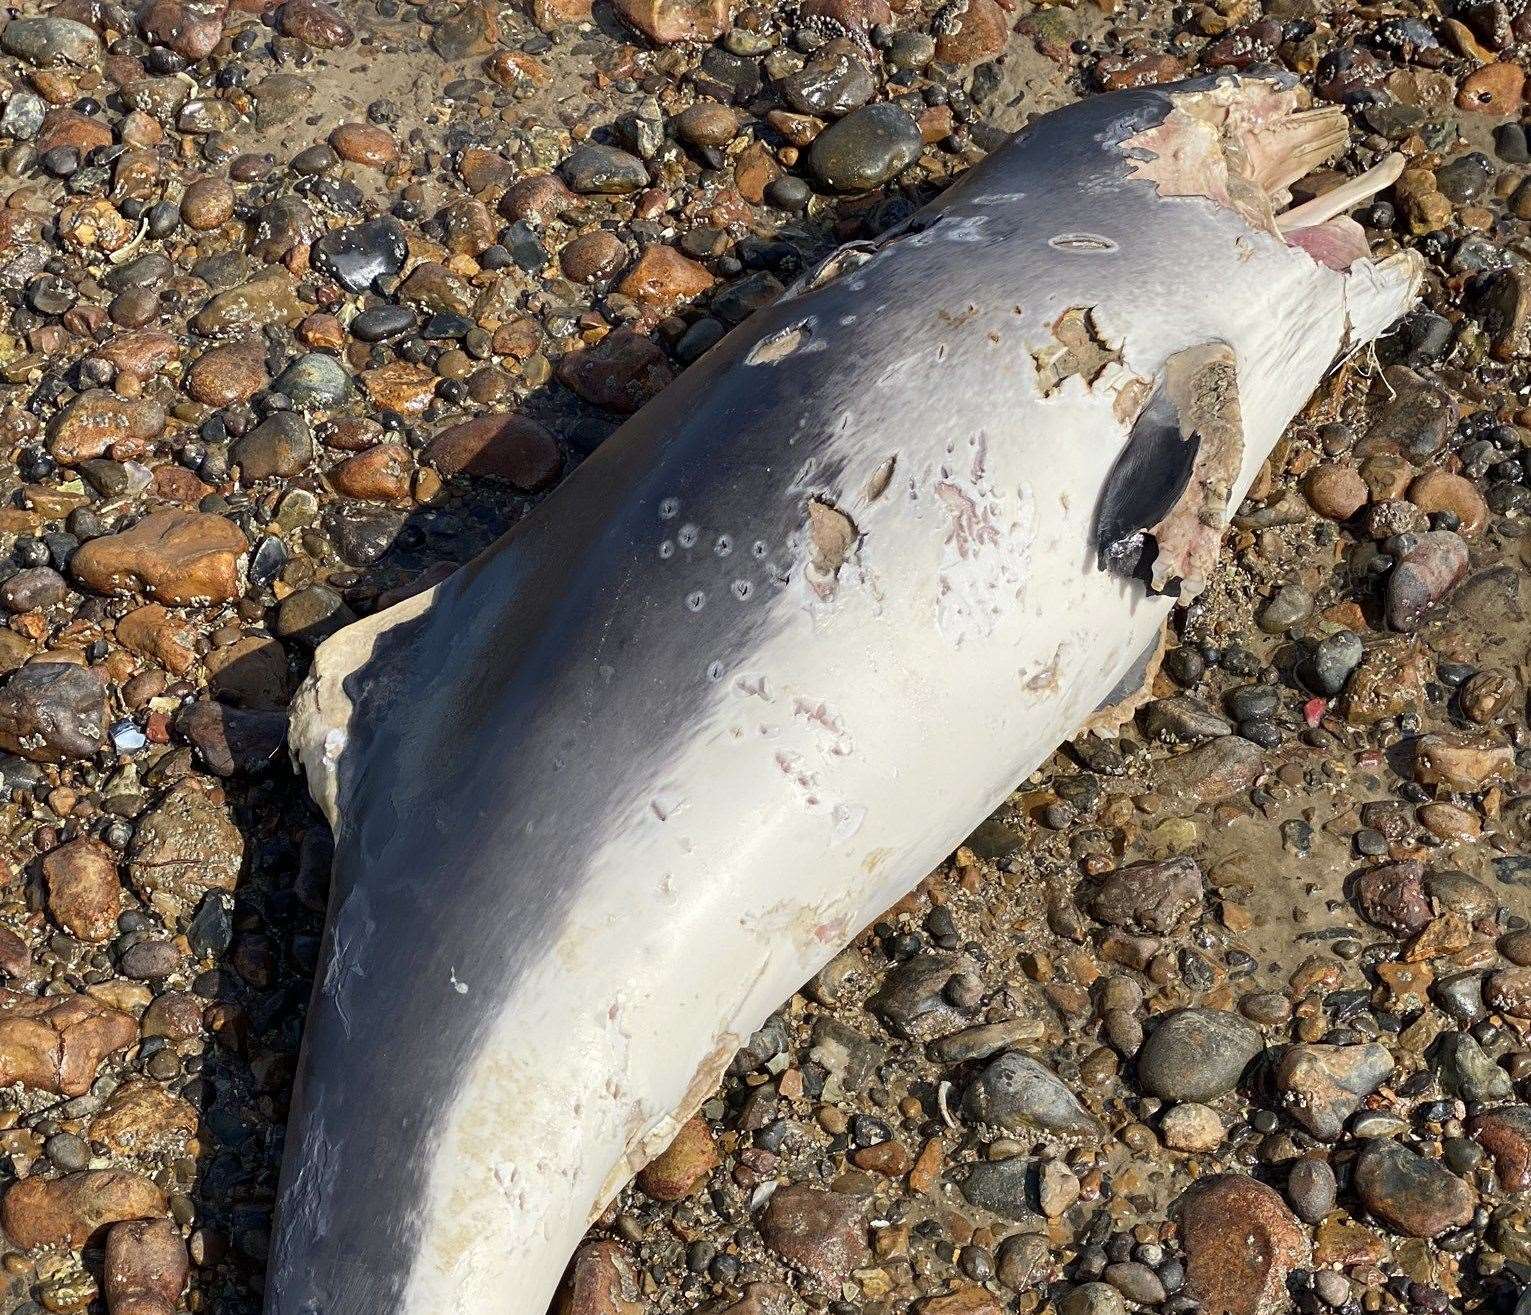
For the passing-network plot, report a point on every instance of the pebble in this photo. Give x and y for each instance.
(1019, 1094)
(820, 1234)
(595, 170)
(1241, 1242)
(1197, 1054)
(866, 148)
(1408, 1193)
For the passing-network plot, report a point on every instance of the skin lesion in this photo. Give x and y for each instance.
(1079, 347)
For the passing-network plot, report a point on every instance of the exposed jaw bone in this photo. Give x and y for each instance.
(1345, 197)
(1243, 145)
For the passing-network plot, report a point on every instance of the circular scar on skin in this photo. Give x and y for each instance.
(1081, 242)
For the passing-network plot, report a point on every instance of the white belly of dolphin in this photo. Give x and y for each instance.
(800, 652)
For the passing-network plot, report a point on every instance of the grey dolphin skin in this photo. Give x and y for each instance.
(609, 793)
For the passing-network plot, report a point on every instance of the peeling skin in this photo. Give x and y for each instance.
(1078, 349)
(832, 537)
(1203, 385)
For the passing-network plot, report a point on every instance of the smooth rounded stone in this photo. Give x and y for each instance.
(312, 615)
(359, 254)
(381, 474)
(1423, 576)
(1007, 1188)
(1435, 491)
(46, 41)
(1197, 1054)
(682, 1168)
(1240, 1244)
(1464, 179)
(1193, 1128)
(1135, 1281)
(33, 589)
(1332, 660)
(228, 373)
(1510, 144)
(1516, 947)
(69, 1152)
(511, 447)
(1467, 1072)
(604, 171)
(1092, 1299)
(149, 960)
(1022, 1095)
(1321, 1086)
(911, 51)
(50, 711)
(364, 143)
(379, 323)
(281, 445)
(831, 84)
(207, 203)
(315, 380)
(1312, 1189)
(707, 124)
(1291, 604)
(866, 148)
(821, 1234)
(788, 193)
(1335, 491)
(595, 255)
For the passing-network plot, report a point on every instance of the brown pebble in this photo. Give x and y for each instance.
(1334, 491)
(145, 1267)
(683, 1166)
(595, 255)
(380, 474)
(207, 203)
(364, 143)
(1439, 490)
(1493, 89)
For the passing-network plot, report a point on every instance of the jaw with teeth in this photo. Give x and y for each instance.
(1242, 144)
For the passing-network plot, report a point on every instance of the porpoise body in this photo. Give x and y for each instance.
(608, 794)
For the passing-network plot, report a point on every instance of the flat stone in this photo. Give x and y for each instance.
(511, 447)
(71, 1210)
(84, 893)
(1240, 1244)
(175, 557)
(183, 847)
(820, 1234)
(56, 1043)
(1409, 1193)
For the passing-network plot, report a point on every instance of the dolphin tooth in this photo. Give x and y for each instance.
(607, 795)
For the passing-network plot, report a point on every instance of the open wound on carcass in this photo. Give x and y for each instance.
(1078, 348)
(1165, 504)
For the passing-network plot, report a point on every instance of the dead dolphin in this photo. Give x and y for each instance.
(609, 793)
